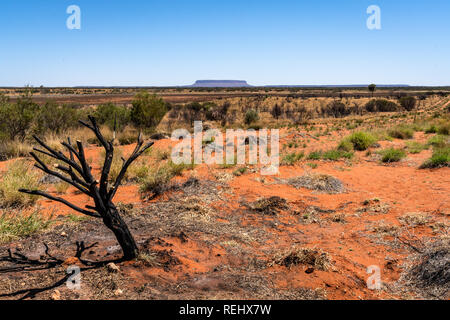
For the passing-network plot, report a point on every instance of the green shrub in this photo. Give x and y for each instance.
(440, 158)
(346, 145)
(401, 133)
(360, 141)
(415, 147)
(54, 118)
(334, 155)
(438, 141)
(392, 155)
(251, 116)
(17, 119)
(315, 155)
(292, 158)
(109, 114)
(147, 110)
(431, 129)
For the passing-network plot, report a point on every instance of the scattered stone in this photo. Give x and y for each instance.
(49, 179)
(63, 234)
(118, 292)
(56, 295)
(112, 267)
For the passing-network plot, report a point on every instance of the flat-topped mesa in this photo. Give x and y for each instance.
(220, 83)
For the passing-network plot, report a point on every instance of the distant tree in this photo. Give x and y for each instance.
(147, 110)
(54, 118)
(372, 87)
(276, 111)
(112, 115)
(17, 119)
(407, 103)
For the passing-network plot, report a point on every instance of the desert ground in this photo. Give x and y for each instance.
(227, 232)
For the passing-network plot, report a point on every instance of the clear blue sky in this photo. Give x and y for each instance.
(173, 42)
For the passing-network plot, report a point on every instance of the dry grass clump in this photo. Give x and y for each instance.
(157, 180)
(374, 206)
(428, 271)
(14, 149)
(19, 175)
(14, 226)
(319, 182)
(269, 206)
(414, 219)
(193, 208)
(315, 258)
(383, 228)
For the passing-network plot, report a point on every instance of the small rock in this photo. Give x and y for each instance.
(118, 292)
(309, 270)
(63, 234)
(112, 267)
(49, 179)
(56, 295)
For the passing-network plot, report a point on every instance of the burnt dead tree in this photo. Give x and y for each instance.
(76, 171)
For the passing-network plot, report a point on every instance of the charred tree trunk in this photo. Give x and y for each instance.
(114, 222)
(77, 172)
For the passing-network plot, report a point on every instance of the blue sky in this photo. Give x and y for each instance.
(173, 42)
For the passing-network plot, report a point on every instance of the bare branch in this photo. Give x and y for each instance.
(67, 203)
(136, 153)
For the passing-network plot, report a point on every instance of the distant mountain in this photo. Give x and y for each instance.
(220, 83)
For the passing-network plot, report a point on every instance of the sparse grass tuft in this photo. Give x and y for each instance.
(315, 258)
(416, 147)
(401, 133)
(16, 226)
(414, 219)
(392, 155)
(19, 175)
(291, 158)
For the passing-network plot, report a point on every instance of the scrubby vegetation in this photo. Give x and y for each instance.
(19, 175)
(392, 155)
(16, 226)
(358, 141)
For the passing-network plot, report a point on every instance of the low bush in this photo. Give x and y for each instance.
(359, 140)
(440, 158)
(292, 158)
(416, 147)
(381, 105)
(392, 155)
(401, 133)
